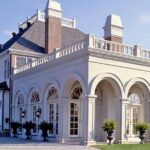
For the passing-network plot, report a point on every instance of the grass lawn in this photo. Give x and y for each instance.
(125, 147)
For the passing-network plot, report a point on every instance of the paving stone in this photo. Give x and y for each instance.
(21, 144)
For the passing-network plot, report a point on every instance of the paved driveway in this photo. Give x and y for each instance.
(21, 144)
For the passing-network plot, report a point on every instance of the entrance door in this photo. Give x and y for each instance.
(133, 117)
(134, 114)
(53, 118)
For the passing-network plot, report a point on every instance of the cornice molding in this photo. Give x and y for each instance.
(119, 57)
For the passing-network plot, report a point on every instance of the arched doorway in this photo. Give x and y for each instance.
(75, 113)
(20, 110)
(35, 109)
(53, 110)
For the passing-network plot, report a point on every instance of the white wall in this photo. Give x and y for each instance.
(49, 73)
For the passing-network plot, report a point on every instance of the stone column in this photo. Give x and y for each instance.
(64, 120)
(88, 122)
(124, 103)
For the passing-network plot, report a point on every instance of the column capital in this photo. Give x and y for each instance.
(89, 96)
(125, 101)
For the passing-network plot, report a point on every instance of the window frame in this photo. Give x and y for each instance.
(77, 102)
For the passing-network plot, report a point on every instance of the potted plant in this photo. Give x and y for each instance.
(28, 126)
(44, 126)
(142, 127)
(15, 126)
(109, 126)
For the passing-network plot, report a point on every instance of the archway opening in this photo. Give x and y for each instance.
(107, 106)
(137, 108)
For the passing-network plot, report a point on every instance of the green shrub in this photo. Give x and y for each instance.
(109, 125)
(142, 126)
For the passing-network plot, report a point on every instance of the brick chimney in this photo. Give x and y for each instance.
(53, 16)
(113, 29)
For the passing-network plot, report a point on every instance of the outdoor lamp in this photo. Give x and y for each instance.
(23, 113)
(38, 112)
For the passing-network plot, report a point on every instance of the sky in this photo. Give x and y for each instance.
(90, 16)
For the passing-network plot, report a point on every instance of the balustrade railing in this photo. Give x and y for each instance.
(51, 57)
(98, 45)
(101, 44)
(40, 15)
(68, 22)
(145, 54)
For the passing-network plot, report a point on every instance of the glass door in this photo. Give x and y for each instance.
(53, 118)
(35, 119)
(132, 118)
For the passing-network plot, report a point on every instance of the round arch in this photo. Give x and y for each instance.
(71, 79)
(109, 77)
(48, 85)
(143, 83)
(17, 92)
(30, 92)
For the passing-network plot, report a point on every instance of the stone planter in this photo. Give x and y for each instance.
(142, 136)
(110, 137)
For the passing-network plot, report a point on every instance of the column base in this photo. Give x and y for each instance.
(89, 143)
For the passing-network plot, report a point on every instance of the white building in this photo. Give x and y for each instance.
(81, 80)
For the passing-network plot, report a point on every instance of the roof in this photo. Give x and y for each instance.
(33, 38)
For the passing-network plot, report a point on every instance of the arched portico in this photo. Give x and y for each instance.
(108, 89)
(138, 107)
(141, 82)
(113, 79)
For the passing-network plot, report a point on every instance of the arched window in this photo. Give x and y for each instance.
(133, 114)
(75, 111)
(20, 109)
(52, 94)
(76, 93)
(135, 99)
(53, 110)
(35, 97)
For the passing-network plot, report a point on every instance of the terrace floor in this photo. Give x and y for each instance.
(22, 144)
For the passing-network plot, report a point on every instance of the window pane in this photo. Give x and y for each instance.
(73, 119)
(20, 61)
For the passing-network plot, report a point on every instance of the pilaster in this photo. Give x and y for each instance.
(124, 103)
(88, 122)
